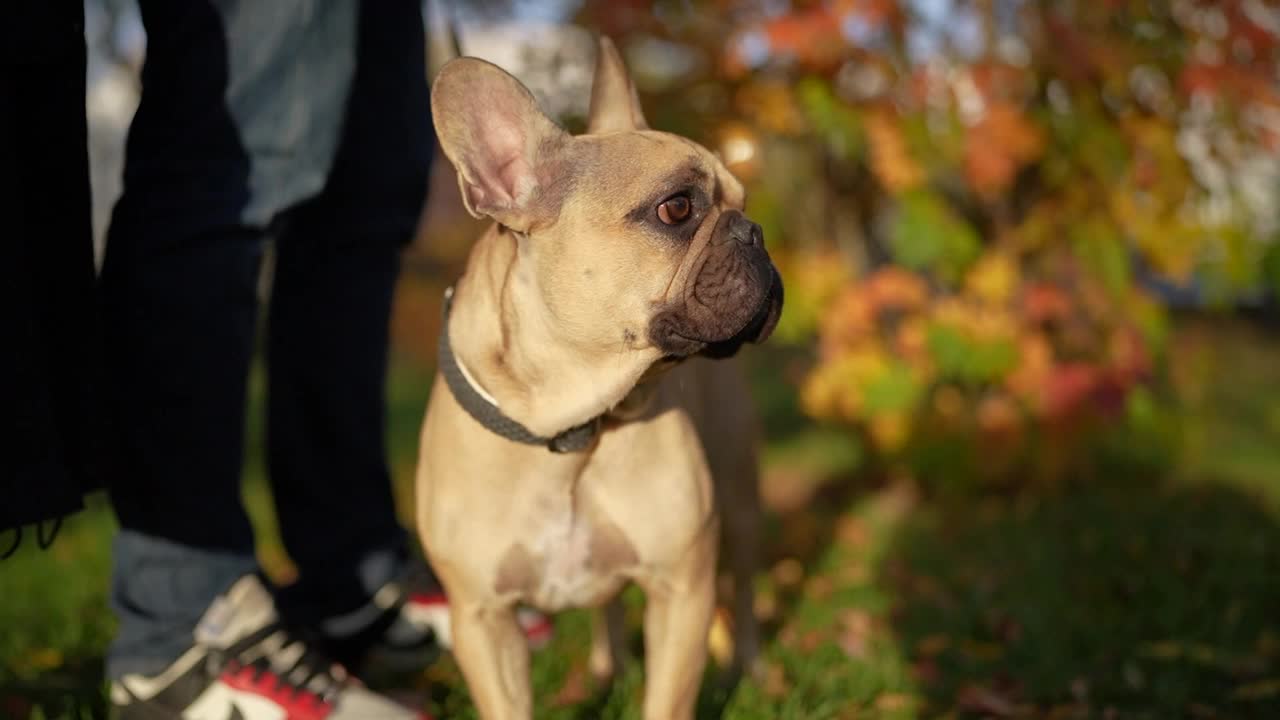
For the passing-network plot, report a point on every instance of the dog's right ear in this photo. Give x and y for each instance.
(504, 148)
(615, 106)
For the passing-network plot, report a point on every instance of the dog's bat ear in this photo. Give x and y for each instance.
(615, 106)
(504, 148)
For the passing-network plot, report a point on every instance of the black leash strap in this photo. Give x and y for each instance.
(579, 437)
(44, 538)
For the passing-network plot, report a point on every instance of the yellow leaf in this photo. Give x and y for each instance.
(720, 638)
(44, 658)
(889, 431)
(994, 278)
(891, 159)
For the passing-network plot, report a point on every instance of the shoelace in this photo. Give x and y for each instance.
(312, 672)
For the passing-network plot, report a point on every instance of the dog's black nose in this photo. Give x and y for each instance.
(746, 232)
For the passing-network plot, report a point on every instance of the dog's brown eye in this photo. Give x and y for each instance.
(676, 210)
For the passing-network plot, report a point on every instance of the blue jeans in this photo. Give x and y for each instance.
(304, 124)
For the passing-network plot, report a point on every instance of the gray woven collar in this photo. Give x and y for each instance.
(485, 412)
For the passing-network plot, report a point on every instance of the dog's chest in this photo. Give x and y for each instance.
(570, 557)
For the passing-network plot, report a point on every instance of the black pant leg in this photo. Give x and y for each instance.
(180, 315)
(178, 289)
(327, 358)
(329, 325)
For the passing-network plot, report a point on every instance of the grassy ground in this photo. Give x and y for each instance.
(1128, 597)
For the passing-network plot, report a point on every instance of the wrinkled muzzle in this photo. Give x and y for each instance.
(733, 295)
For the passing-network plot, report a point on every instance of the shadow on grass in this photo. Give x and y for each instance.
(1122, 602)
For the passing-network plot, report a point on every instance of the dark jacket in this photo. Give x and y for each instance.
(48, 329)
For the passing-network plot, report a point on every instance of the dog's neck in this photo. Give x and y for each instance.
(504, 337)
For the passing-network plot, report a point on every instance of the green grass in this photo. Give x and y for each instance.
(1132, 596)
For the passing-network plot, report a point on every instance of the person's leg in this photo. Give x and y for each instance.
(327, 357)
(179, 315)
(179, 302)
(338, 258)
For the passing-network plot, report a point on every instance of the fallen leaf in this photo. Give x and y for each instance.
(855, 633)
(766, 605)
(895, 702)
(977, 698)
(851, 531)
(819, 587)
(788, 572)
(775, 681)
(811, 640)
(788, 636)
(933, 645)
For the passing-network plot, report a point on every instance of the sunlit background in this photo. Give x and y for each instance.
(1022, 412)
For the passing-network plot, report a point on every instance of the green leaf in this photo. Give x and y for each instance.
(837, 124)
(928, 235)
(962, 360)
(1104, 251)
(949, 349)
(991, 360)
(894, 390)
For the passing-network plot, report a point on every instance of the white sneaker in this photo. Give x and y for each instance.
(246, 666)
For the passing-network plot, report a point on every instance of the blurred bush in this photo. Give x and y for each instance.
(982, 209)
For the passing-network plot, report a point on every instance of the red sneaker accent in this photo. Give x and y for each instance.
(297, 704)
(537, 628)
(428, 599)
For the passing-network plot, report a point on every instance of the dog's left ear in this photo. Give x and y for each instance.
(508, 154)
(615, 106)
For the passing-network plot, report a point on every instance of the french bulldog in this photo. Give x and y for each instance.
(588, 427)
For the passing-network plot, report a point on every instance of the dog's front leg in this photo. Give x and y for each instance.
(494, 657)
(677, 617)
